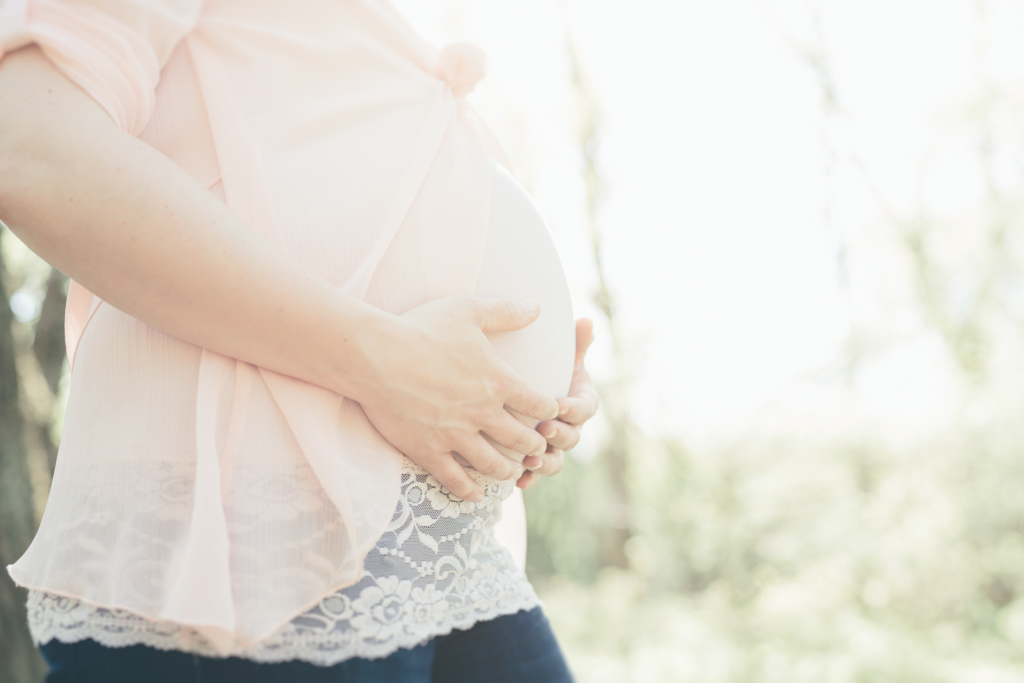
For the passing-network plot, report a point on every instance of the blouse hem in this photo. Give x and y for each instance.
(525, 600)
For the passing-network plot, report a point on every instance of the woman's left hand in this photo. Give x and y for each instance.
(573, 410)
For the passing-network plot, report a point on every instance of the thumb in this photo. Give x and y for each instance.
(503, 315)
(584, 338)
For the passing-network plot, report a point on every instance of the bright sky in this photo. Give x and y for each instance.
(724, 214)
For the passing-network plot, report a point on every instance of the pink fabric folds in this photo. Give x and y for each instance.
(113, 49)
(462, 66)
(191, 487)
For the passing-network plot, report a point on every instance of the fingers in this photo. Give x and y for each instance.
(486, 460)
(584, 338)
(553, 462)
(577, 409)
(452, 476)
(546, 465)
(533, 462)
(559, 434)
(509, 432)
(581, 403)
(527, 480)
(523, 398)
(503, 315)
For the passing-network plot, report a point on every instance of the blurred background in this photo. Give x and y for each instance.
(799, 228)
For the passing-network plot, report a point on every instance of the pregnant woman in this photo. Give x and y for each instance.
(316, 333)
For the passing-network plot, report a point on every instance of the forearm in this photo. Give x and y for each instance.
(143, 235)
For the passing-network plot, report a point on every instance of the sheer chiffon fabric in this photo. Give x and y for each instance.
(192, 488)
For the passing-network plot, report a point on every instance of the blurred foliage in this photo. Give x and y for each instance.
(31, 362)
(825, 544)
(796, 558)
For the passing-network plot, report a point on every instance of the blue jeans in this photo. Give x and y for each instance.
(510, 649)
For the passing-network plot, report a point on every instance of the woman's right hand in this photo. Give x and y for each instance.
(432, 384)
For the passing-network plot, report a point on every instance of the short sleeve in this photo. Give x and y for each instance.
(112, 49)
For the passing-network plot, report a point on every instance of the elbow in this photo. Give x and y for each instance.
(8, 179)
(19, 127)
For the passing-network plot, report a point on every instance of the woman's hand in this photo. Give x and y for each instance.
(575, 409)
(431, 384)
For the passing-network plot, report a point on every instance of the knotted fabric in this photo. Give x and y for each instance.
(461, 66)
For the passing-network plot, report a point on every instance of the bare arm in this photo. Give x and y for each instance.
(138, 231)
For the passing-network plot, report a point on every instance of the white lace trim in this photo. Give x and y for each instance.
(437, 567)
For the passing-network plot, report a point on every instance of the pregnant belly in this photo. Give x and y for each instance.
(520, 262)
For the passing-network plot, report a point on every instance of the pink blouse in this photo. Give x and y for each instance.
(190, 487)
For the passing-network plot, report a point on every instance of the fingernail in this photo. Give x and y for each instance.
(531, 306)
(563, 410)
(532, 462)
(477, 497)
(547, 431)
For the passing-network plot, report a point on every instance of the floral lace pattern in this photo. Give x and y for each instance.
(437, 567)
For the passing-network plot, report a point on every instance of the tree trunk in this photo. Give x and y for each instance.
(48, 347)
(615, 454)
(19, 660)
